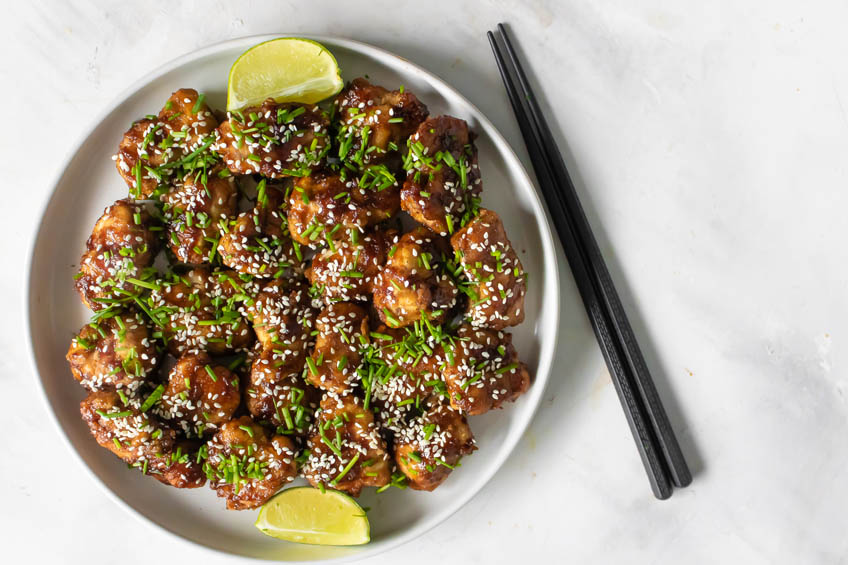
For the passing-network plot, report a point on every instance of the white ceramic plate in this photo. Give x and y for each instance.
(89, 182)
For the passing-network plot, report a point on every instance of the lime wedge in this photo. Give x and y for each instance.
(307, 515)
(288, 69)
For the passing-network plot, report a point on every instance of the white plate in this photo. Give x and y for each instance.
(89, 182)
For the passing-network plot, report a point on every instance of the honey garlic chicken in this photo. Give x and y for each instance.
(346, 450)
(118, 254)
(199, 396)
(277, 394)
(342, 335)
(412, 285)
(128, 431)
(283, 317)
(194, 211)
(497, 279)
(483, 371)
(246, 465)
(274, 140)
(200, 311)
(346, 270)
(324, 207)
(257, 242)
(151, 148)
(375, 123)
(114, 353)
(443, 182)
(430, 446)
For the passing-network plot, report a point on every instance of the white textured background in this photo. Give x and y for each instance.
(709, 142)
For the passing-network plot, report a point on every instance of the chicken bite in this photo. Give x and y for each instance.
(277, 394)
(143, 442)
(495, 274)
(412, 286)
(151, 148)
(342, 337)
(482, 370)
(194, 211)
(346, 451)
(324, 207)
(443, 184)
(119, 253)
(274, 140)
(199, 396)
(257, 242)
(283, 316)
(246, 465)
(114, 353)
(375, 122)
(431, 445)
(345, 271)
(200, 311)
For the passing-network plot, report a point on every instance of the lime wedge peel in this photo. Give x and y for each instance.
(307, 515)
(287, 69)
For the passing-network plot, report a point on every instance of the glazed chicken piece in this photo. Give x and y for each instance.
(119, 251)
(128, 431)
(184, 125)
(246, 465)
(257, 242)
(199, 396)
(497, 279)
(443, 185)
(194, 211)
(375, 123)
(431, 445)
(482, 370)
(114, 353)
(342, 336)
(199, 311)
(278, 395)
(345, 272)
(346, 451)
(412, 285)
(324, 207)
(274, 140)
(283, 317)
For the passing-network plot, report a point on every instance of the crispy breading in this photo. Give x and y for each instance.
(342, 335)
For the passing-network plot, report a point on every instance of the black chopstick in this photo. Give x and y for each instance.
(675, 461)
(592, 291)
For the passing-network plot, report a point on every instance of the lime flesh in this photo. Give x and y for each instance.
(307, 515)
(288, 69)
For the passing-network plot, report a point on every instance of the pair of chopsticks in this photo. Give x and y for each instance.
(642, 406)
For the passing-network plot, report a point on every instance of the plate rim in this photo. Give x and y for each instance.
(548, 245)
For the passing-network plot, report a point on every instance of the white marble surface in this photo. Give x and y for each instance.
(709, 141)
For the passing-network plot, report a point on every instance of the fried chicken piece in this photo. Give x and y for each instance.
(194, 211)
(257, 242)
(493, 269)
(200, 311)
(323, 206)
(345, 272)
(443, 180)
(412, 285)
(274, 140)
(482, 371)
(140, 440)
(283, 316)
(183, 125)
(431, 445)
(199, 396)
(120, 250)
(278, 395)
(383, 119)
(342, 335)
(346, 451)
(115, 353)
(246, 465)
